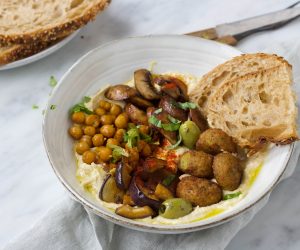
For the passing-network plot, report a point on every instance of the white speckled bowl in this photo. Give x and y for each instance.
(114, 63)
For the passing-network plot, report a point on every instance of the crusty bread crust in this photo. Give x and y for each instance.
(52, 31)
(230, 70)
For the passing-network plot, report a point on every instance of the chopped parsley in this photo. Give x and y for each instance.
(231, 196)
(172, 126)
(80, 107)
(35, 106)
(168, 180)
(52, 106)
(52, 81)
(176, 144)
(186, 105)
(117, 152)
(133, 135)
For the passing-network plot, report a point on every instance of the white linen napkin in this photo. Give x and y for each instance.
(68, 225)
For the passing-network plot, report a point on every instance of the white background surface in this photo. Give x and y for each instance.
(28, 187)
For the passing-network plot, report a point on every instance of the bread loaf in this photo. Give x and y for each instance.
(33, 21)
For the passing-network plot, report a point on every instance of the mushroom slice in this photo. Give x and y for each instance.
(196, 116)
(140, 102)
(136, 115)
(143, 84)
(168, 104)
(120, 92)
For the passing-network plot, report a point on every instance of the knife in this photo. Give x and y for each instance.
(232, 33)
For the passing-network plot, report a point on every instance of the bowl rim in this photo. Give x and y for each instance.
(132, 223)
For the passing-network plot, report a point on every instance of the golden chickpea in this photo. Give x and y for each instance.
(107, 119)
(104, 153)
(112, 141)
(89, 130)
(105, 105)
(78, 117)
(87, 139)
(75, 132)
(88, 157)
(81, 147)
(92, 120)
(140, 145)
(115, 109)
(121, 121)
(108, 131)
(98, 140)
(100, 111)
(119, 135)
(144, 129)
(146, 150)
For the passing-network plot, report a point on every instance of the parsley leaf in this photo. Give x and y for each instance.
(154, 121)
(52, 81)
(186, 105)
(168, 180)
(35, 106)
(231, 196)
(52, 106)
(171, 126)
(176, 144)
(80, 107)
(146, 138)
(157, 111)
(117, 152)
(132, 136)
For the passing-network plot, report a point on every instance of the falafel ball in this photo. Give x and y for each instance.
(214, 141)
(196, 163)
(199, 191)
(227, 171)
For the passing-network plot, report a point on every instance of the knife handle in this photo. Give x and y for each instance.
(211, 34)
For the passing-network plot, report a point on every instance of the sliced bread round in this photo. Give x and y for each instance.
(31, 21)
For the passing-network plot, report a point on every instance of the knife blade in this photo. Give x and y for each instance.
(231, 33)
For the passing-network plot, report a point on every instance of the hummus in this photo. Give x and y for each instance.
(91, 176)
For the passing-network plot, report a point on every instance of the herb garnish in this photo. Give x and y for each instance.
(168, 180)
(35, 106)
(172, 126)
(176, 144)
(80, 107)
(52, 81)
(186, 105)
(117, 152)
(133, 135)
(52, 106)
(231, 196)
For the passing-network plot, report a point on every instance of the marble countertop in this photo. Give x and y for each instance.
(28, 186)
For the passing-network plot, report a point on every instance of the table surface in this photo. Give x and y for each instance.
(28, 186)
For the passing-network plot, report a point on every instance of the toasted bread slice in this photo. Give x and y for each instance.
(34, 21)
(230, 70)
(256, 107)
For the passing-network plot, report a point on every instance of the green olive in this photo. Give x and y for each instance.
(175, 208)
(190, 133)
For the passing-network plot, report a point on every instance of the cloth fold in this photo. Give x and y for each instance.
(68, 225)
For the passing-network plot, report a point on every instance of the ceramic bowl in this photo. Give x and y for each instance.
(114, 63)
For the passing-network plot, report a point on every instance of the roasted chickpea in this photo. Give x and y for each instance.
(104, 153)
(75, 132)
(98, 140)
(92, 120)
(107, 119)
(121, 121)
(100, 111)
(78, 117)
(104, 104)
(119, 135)
(115, 109)
(146, 150)
(108, 131)
(112, 141)
(81, 147)
(88, 157)
(144, 129)
(89, 130)
(87, 139)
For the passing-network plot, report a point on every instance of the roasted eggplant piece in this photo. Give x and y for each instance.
(152, 164)
(143, 84)
(196, 116)
(122, 175)
(168, 104)
(109, 191)
(140, 102)
(120, 92)
(136, 115)
(139, 197)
